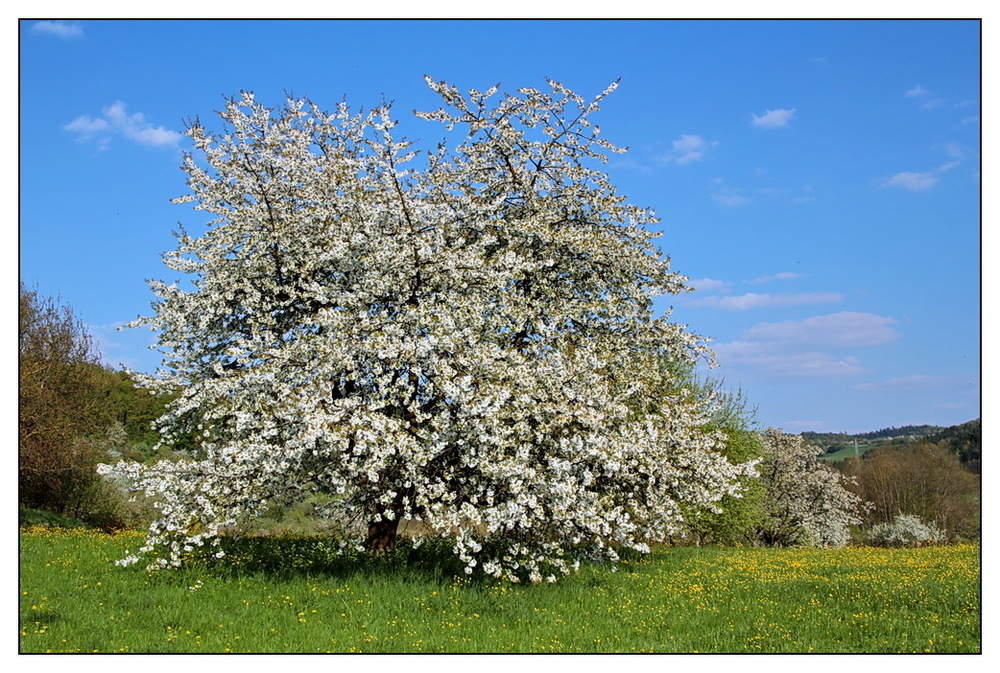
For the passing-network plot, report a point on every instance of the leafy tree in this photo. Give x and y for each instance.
(833, 442)
(137, 411)
(63, 399)
(806, 501)
(735, 517)
(466, 342)
(830, 442)
(922, 479)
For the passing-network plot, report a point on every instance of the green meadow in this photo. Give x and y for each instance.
(293, 595)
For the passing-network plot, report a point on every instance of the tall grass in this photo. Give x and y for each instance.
(292, 595)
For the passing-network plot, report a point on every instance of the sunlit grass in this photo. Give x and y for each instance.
(74, 599)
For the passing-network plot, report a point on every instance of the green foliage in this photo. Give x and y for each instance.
(907, 431)
(965, 441)
(738, 517)
(74, 413)
(137, 409)
(732, 415)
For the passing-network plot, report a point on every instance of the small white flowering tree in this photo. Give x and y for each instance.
(806, 502)
(905, 530)
(467, 341)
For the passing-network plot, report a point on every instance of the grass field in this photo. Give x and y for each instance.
(846, 452)
(290, 596)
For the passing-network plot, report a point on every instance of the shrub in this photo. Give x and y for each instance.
(906, 530)
(62, 399)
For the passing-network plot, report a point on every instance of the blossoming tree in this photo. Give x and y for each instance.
(462, 338)
(806, 501)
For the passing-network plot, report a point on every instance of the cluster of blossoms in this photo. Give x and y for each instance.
(903, 531)
(468, 344)
(807, 502)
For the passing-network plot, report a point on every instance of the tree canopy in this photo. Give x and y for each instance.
(462, 337)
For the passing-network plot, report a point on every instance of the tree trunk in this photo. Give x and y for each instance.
(381, 537)
(381, 531)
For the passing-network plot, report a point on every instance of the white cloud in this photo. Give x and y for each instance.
(116, 120)
(708, 284)
(86, 126)
(688, 148)
(906, 384)
(846, 329)
(955, 151)
(773, 119)
(752, 300)
(771, 361)
(730, 199)
(924, 96)
(58, 28)
(917, 181)
(957, 155)
(149, 135)
(783, 275)
(630, 163)
(798, 349)
(912, 180)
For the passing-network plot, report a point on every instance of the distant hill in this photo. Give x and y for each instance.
(835, 441)
(963, 440)
(966, 441)
(906, 432)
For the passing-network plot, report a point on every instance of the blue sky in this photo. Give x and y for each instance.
(818, 181)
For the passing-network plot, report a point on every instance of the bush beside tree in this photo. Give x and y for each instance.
(733, 519)
(63, 404)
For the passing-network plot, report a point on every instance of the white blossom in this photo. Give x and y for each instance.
(806, 501)
(905, 530)
(466, 341)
